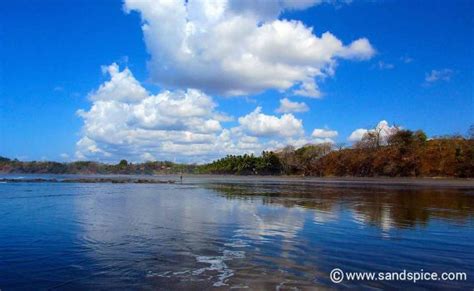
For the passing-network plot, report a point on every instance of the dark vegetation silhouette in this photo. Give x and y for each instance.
(89, 167)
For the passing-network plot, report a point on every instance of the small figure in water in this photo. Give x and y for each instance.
(181, 178)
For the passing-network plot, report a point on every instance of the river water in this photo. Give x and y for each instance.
(236, 233)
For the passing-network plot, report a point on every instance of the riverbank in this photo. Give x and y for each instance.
(340, 181)
(439, 182)
(111, 179)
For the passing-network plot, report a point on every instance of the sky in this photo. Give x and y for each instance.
(191, 81)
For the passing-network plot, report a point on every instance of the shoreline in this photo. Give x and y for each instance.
(348, 181)
(442, 182)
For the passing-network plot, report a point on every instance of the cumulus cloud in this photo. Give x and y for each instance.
(321, 140)
(382, 127)
(239, 47)
(287, 106)
(127, 121)
(357, 134)
(324, 133)
(321, 135)
(439, 75)
(121, 87)
(198, 48)
(258, 124)
(318, 136)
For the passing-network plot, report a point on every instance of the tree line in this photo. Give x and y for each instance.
(90, 167)
(402, 153)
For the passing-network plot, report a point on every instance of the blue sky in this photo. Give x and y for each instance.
(418, 76)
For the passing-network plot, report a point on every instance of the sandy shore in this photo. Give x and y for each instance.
(234, 179)
(334, 181)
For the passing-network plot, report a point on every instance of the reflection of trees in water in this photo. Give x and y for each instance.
(411, 207)
(385, 207)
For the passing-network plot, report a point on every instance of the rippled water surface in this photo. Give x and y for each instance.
(222, 234)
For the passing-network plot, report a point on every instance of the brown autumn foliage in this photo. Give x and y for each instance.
(406, 154)
(400, 153)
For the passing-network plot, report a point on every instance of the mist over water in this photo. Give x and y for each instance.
(210, 234)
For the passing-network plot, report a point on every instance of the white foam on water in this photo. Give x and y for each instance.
(282, 285)
(181, 273)
(167, 274)
(216, 264)
(234, 254)
(150, 274)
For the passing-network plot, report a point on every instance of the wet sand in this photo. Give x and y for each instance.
(339, 181)
(198, 179)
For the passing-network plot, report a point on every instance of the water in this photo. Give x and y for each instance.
(211, 233)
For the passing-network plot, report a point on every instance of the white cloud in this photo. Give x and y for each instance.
(321, 135)
(127, 121)
(357, 134)
(322, 140)
(308, 88)
(305, 140)
(383, 127)
(86, 147)
(238, 47)
(121, 87)
(287, 106)
(216, 47)
(324, 133)
(439, 75)
(146, 156)
(259, 124)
